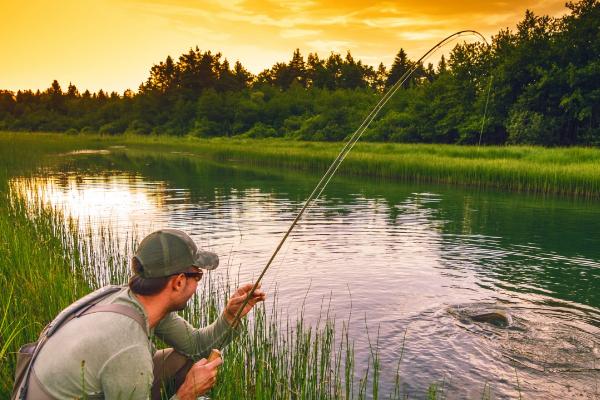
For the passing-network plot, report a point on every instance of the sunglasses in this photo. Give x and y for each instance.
(196, 275)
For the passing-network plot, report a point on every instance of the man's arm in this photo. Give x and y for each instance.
(179, 333)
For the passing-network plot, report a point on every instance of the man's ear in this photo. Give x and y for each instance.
(177, 283)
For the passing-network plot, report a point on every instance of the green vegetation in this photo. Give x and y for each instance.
(43, 255)
(570, 171)
(573, 171)
(41, 274)
(48, 263)
(40, 265)
(545, 92)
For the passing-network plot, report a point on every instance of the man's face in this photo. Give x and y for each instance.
(187, 289)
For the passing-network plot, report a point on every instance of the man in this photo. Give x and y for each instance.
(108, 355)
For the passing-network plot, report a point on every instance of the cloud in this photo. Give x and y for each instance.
(422, 35)
(257, 32)
(298, 33)
(298, 5)
(327, 46)
(399, 22)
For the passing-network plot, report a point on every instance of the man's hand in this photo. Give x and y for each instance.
(200, 378)
(236, 301)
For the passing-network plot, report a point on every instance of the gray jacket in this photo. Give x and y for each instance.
(108, 355)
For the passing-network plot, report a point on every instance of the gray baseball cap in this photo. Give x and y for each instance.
(171, 251)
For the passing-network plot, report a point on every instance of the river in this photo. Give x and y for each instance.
(396, 258)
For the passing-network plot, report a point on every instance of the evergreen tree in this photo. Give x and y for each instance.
(352, 73)
(242, 76)
(281, 75)
(162, 76)
(380, 77)
(56, 101)
(442, 66)
(100, 96)
(316, 73)
(400, 66)
(333, 66)
(226, 79)
(72, 91)
(297, 69)
(430, 72)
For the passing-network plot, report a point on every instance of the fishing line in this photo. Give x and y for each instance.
(487, 100)
(348, 146)
(401, 80)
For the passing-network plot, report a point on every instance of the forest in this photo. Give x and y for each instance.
(540, 82)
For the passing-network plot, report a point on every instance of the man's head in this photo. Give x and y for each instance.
(169, 260)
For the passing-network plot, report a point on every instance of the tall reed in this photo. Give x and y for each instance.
(49, 262)
(52, 263)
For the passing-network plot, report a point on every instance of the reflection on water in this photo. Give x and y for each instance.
(117, 198)
(399, 255)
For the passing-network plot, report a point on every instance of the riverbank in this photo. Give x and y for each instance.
(573, 171)
(272, 361)
(46, 263)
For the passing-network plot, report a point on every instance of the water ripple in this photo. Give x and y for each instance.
(402, 261)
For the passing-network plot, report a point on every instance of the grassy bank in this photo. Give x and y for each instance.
(567, 171)
(41, 262)
(46, 263)
(40, 273)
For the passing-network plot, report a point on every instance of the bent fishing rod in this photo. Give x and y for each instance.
(349, 145)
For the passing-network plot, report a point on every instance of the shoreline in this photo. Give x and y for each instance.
(573, 171)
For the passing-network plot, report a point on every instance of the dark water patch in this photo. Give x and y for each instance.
(485, 313)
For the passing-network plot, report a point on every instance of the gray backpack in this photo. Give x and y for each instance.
(27, 388)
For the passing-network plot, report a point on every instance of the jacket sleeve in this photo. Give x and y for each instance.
(195, 343)
(128, 374)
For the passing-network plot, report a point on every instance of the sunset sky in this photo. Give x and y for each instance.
(111, 44)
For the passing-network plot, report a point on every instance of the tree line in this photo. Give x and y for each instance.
(539, 84)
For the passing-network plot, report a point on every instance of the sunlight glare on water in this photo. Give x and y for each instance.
(408, 261)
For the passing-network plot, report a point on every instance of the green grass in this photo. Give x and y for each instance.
(51, 264)
(571, 171)
(46, 262)
(37, 273)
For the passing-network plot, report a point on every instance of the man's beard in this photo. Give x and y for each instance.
(180, 307)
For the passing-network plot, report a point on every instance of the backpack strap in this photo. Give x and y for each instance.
(86, 305)
(79, 305)
(118, 309)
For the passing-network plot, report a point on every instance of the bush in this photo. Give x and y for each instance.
(204, 128)
(311, 128)
(530, 127)
(394, 126)
(292, 124)
(112, 128)
(139, 127)
(260, 131)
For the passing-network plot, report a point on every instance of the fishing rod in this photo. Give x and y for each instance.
(349, 145)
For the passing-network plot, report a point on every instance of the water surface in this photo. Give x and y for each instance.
(396, 257)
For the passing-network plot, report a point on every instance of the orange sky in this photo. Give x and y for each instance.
(111, 44)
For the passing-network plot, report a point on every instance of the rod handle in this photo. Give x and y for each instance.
(214, 354)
